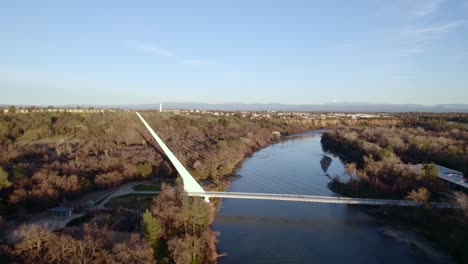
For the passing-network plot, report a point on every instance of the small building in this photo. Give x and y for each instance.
(61, 211)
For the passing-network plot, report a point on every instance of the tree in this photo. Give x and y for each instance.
(196, 214)
(145, 169)
(181, 250)
(387, 154)
(4, 182)
(431, 170)
(110, 179)
(19, 195)
(420, 195)
(152, 229)
(32, 246)
(179, 181)
(134, 250)
(185, 223)
(85, 245)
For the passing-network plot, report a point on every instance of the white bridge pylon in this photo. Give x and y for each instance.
(190, 184)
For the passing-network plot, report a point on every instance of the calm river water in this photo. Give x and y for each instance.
(254, 231)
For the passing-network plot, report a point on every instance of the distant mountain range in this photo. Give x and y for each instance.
(330, 107)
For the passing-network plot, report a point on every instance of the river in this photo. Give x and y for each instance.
(255, 231)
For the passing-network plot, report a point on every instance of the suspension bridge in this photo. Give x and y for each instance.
(193, 188)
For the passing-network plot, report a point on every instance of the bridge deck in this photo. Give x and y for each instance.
(314, 199)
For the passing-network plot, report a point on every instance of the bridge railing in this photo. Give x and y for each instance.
(317, 199)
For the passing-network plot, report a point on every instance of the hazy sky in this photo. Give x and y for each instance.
(135, 52)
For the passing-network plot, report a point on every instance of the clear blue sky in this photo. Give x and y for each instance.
(295, 52)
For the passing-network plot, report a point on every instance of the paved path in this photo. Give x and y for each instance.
(124, 190)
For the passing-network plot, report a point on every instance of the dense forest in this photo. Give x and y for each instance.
(379, 156)
(50, 157)
(381, 163)
(47, 158)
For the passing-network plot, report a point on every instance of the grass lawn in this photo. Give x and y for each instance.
(136, 201)
(134, 195)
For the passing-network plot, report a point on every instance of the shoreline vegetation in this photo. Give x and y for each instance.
(49, 158)
(379, 166)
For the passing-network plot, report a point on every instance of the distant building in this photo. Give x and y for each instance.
(61, 211)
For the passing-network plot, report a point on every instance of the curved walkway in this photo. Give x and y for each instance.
(124, 190)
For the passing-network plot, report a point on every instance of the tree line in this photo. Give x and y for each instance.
(380, 162)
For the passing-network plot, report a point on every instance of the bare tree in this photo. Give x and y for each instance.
(421, 195)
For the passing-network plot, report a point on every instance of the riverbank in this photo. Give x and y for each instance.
(441, 233)
(414, 240)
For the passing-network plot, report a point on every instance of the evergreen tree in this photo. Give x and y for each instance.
(151, 229)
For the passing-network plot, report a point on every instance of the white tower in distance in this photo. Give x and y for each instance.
(160, 107)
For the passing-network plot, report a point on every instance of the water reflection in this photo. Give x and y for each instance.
(325, 163)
